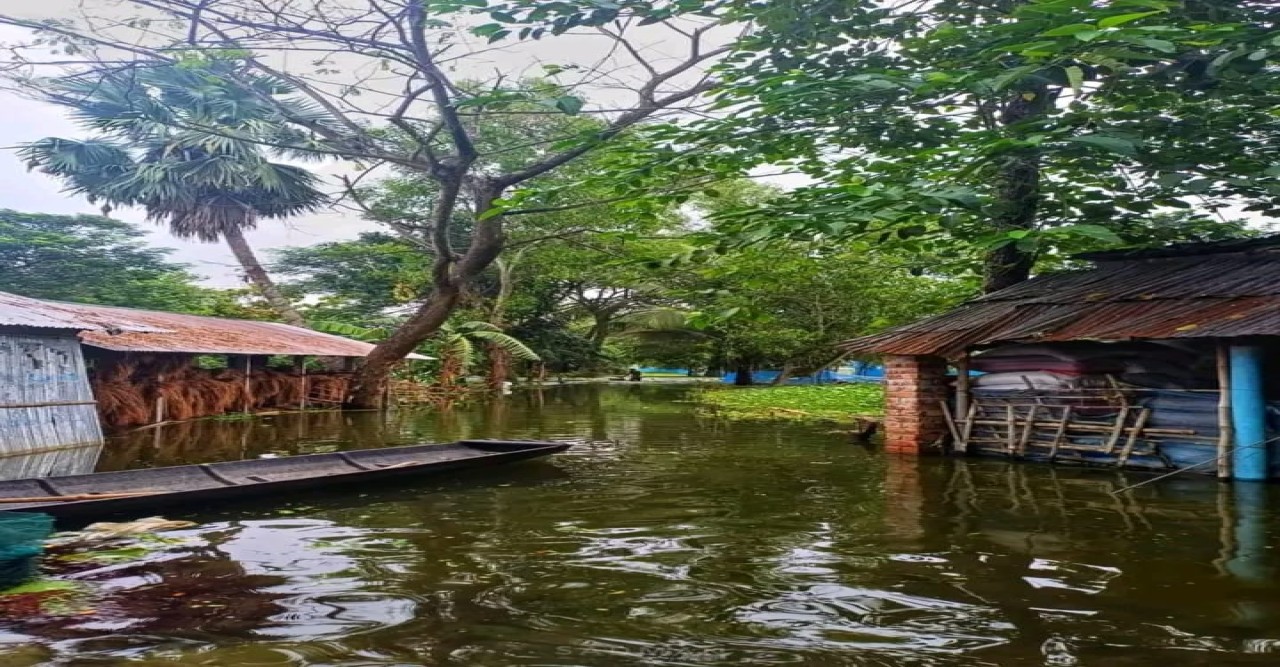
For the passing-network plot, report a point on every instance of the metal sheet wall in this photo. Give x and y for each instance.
(45, 398)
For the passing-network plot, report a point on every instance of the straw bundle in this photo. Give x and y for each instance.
(130, 387)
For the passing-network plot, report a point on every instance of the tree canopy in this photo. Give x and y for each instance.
(93, 259)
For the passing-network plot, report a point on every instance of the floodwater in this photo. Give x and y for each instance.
(669, 539)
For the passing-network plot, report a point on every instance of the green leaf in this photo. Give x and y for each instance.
(1075, 76)
(1121, 19)
(1161, 45)
(1069, 30)
(569, 104)
(1094, 232)
(1113, 144)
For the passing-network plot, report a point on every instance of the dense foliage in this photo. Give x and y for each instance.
(93, 259)
(942, 148)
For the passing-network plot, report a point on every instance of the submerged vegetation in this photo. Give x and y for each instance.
(839, 403)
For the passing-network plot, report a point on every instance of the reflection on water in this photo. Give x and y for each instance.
(52, 462)
(671, 540)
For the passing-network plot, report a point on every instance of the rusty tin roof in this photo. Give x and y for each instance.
(21, 311)
(133, 330)
(1223, 293)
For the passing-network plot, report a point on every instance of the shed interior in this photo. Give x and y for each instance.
(136, 388)
(1155, 403)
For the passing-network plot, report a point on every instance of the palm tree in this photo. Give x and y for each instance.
(194, 162)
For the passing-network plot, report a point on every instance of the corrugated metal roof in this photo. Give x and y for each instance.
(21, 311)
(1217, 295)
(133, 330)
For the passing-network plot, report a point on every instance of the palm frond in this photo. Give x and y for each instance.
(201, 183)
(351, 330)
(513, 346)
(658, 319)
(460, 349)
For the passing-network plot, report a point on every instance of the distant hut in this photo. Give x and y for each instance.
(1161, 358)
(139, 367)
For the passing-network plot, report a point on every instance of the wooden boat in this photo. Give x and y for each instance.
(151, 488)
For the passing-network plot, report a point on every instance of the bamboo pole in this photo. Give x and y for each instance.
(951, 424)
(963, 389)
(300, 365)
(1143, 415)
(1226, 428)
(1061, 434)
(1103, 428)
(1028, 430)
(248, 383)
(1114, 438)
(967, 432)
(1011, 429)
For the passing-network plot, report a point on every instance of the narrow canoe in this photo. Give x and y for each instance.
(163, 488)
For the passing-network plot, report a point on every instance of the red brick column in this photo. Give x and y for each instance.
(913, 417)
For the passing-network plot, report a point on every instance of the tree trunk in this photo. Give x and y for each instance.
(783, 376)
(1017, 192)
(743, 374)
(600, 330)
(499, 357)
(260, 279)
(369, 384)
(449, 274)
(499, 366)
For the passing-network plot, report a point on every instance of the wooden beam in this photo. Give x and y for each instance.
(1226, 420)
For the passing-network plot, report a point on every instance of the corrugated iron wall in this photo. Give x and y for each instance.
(45, 399)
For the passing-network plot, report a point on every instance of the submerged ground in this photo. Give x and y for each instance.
(674, 539)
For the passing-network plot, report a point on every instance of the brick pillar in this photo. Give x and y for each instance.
(913, 416)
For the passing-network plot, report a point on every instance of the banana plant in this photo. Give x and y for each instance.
(454, 344)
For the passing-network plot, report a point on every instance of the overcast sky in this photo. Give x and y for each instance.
(27, 120)
(33, 192)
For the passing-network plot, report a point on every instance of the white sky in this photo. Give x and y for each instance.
(27, 120)
(32, 192)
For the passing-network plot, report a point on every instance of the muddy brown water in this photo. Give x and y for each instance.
(671, 539)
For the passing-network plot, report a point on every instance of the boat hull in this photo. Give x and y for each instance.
(164, 488)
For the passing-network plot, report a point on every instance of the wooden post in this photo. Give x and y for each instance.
(1226, 426)
(967, 431)
(1028, 430)
(962, 392)
(1143, 415)
(1011, 429)
(1060, 435)
(248, 383)
(1114, 439)
(159, 401)
(951, 425)
(300, 367)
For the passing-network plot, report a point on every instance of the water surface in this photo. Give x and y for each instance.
(670, 539)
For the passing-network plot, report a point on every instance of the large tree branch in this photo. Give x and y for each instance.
(438, 83)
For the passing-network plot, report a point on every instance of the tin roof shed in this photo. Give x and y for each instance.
(1210, 290)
